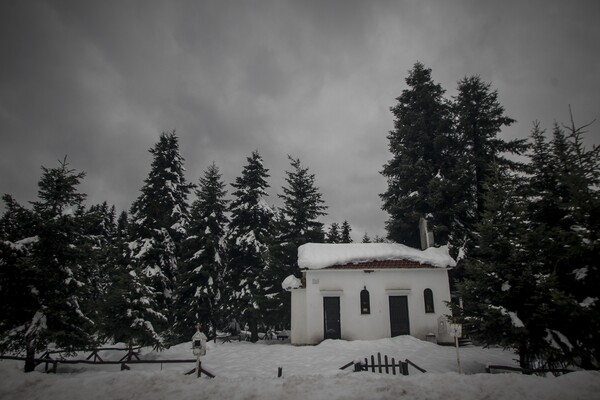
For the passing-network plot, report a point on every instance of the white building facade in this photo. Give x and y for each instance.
(370, 291)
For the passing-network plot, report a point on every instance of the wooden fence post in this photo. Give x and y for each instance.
(415, 365)
(347, 365)
(404, 368)
(383, 365)
(387, 369)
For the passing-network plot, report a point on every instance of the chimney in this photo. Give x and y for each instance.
(425, 234)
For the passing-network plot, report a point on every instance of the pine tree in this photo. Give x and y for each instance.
(248, 240)
(199, 294)
(475, 150)
(61, 255)
(366, 238)
(17, 222)
(565, 212)
(478, 118)
(333, 233)
(99, 226)
(128, 308)
(19, 304)
(505, 298)
(345, 235)
(158, 223)
(379, 239)
(544, 179)
(52, 270)
(532, 276)
(302, 206)
(116, 261)
(419, 147)
(297, 224)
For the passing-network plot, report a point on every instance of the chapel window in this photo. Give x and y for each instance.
(428, 295)
(365, 302)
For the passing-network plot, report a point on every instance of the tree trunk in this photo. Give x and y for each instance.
(213, 328)
(130, 352)
(524, 358)
(30, 358)
(253, 330)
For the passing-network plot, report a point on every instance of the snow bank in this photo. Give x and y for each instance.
(318, 255)
(249, 371)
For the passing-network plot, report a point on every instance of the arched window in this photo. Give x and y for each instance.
(365, 302)
(428, 295)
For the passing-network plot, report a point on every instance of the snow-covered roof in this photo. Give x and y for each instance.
(291, 282)
(319, 255)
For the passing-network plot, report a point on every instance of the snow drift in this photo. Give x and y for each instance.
(249, 371)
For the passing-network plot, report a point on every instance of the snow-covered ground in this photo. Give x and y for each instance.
(249, 371)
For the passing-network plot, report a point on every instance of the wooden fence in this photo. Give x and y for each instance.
(384, 366)
(526, 371)
(51, 364)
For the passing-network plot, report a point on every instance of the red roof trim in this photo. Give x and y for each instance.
(382, 264)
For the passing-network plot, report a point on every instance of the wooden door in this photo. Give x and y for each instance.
(399, 316)
(331, 313)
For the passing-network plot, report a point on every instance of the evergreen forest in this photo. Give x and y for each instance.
(521, 217)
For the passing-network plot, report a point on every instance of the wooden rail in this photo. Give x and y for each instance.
(124, 364)
(526, 371)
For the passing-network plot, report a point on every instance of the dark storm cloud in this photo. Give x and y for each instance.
(100, 80)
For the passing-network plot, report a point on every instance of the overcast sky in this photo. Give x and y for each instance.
(100, 80)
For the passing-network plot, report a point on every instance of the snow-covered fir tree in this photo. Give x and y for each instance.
(17, 278)
(298, 223)
(302, 206)
(345, 234)
(419, 146)
(61, 255)
(158, 223)
(333, 234)
(478, 120)
(17, 222)
(532, 276)
(379, 239)
(503, 290)
(565, 215)
(99, 226)
(248, 241)
(202, 269)
(442, 151)
(52, 269)
(129, 308)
